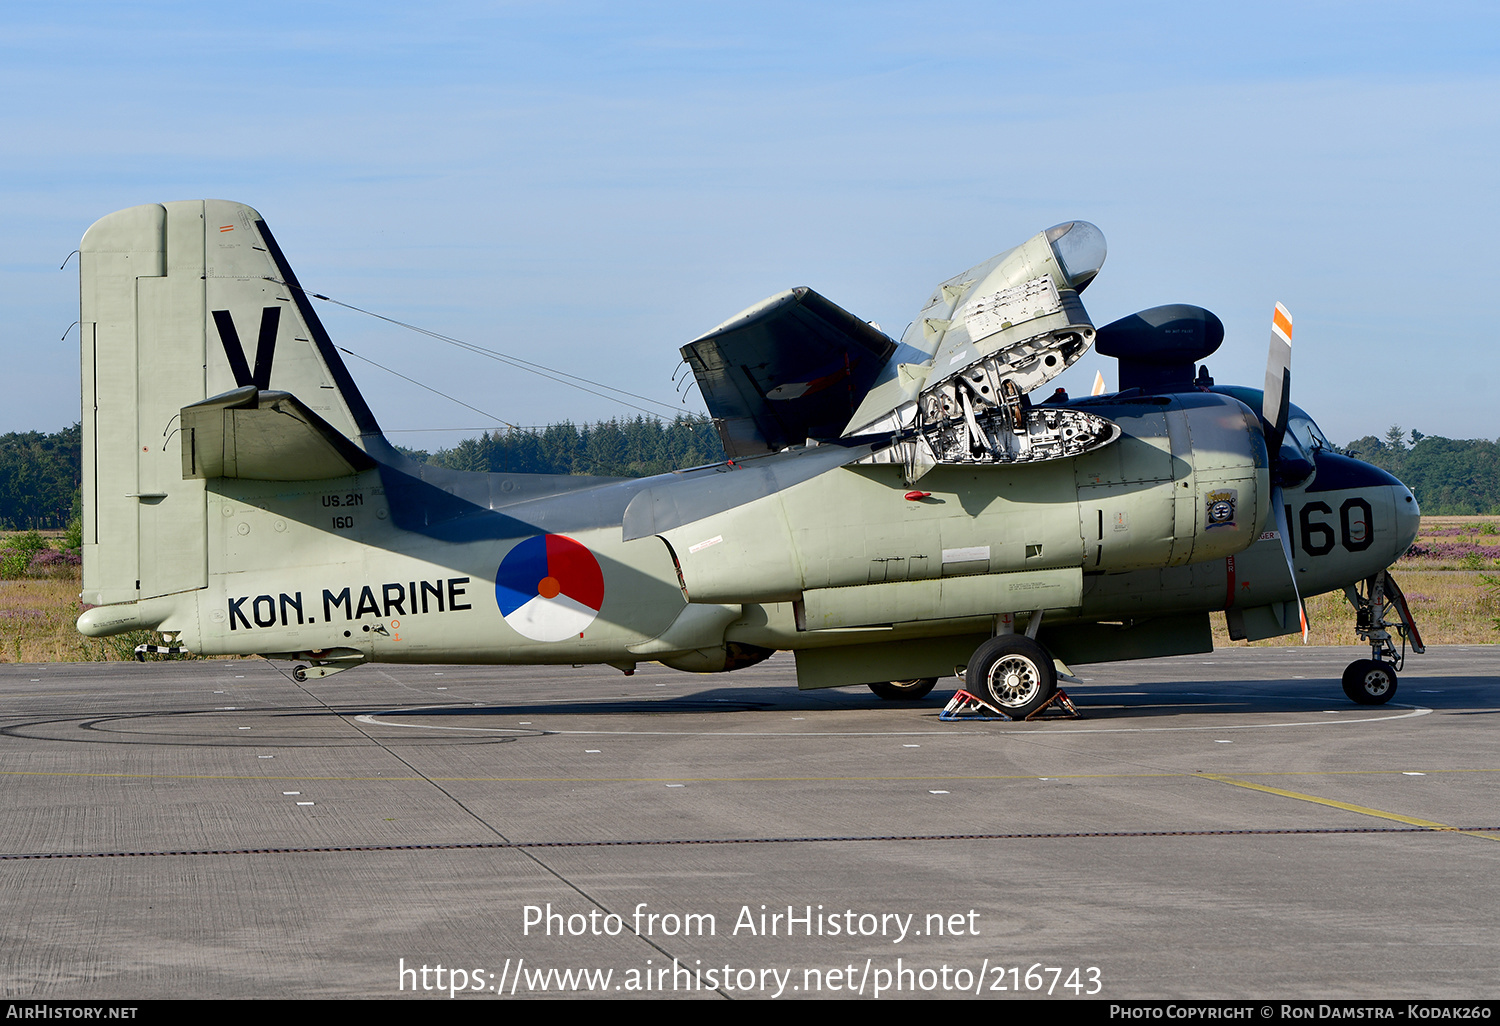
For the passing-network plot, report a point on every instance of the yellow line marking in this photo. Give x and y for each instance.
(1355, 773)
(1346, 806)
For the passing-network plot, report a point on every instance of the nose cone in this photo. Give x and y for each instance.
(1408, 516)
(1343, 473)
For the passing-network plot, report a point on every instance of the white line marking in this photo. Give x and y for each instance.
(372, 719)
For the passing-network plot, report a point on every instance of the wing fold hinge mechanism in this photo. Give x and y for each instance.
(1009, 344)
(979, 419)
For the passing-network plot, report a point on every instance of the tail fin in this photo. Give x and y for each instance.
(181, 302)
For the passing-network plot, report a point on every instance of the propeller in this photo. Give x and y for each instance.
(1278, 392)
(1275, 410)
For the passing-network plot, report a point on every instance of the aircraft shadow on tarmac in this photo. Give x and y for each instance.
(1158, 700)
(1222, 703)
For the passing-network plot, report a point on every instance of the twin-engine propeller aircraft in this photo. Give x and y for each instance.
(890, 510)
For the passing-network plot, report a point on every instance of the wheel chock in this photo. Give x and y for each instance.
(1061, 706)
(966, 706)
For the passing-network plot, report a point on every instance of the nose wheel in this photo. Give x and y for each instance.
(1370, 681)
(1379, 609)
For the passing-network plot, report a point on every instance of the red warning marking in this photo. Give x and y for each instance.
(226, 228)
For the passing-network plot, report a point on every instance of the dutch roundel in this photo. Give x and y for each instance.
(549, 588)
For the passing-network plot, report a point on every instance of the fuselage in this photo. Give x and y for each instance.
(814, 548)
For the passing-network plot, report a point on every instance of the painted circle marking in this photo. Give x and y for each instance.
(549, 588)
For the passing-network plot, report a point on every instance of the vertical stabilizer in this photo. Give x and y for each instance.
(180, 302)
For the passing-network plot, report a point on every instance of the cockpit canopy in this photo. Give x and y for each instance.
(1303, 440)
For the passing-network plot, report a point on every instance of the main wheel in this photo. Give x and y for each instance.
(299, 674)
(1013, 672)
(903, 690)
(1369, 682)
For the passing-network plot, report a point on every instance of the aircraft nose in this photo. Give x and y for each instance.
(1408, 516)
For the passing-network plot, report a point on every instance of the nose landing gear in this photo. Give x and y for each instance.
(1379, 606)
(1369, 681)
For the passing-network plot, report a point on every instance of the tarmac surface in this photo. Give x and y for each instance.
(1225, 826)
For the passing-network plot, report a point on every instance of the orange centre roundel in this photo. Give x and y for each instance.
(548, 587)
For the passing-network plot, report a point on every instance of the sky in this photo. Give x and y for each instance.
(592, 185)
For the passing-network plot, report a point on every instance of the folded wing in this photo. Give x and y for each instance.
(790, 368)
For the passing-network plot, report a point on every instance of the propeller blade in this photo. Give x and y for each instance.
(1278, 380)
(1098, 383)
(1278, 505)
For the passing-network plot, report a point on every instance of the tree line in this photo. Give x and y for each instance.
(39, 478)
(40, 473)
(1449, 477)
(613, 448)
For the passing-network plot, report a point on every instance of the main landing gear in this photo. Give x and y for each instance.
(1012, 672)
(1379, 607)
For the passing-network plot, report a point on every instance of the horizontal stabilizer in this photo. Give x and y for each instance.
(790, 368)
(257, 435)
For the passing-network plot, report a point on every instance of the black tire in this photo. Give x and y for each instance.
(1013, 673)
(904, 690)
(299, 674)
(1369, 682)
